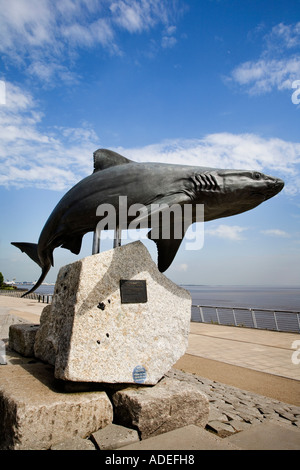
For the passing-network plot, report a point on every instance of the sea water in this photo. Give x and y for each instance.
(277, 298)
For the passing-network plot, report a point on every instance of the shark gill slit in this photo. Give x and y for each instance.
(205, 181)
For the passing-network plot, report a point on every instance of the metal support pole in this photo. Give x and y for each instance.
(234, 319)
(253, 317)
(96, 242)
(217, 313)
(298, 318)
(201, 314)
(118, 236)
(275, 320)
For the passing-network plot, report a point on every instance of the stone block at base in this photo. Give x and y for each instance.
(36, 415)
(22, 338)
(169, 405)
(91, 334)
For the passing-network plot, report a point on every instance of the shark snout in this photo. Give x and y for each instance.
(274, 187)
(279, 183)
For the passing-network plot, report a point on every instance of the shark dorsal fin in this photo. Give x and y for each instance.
(104, 158)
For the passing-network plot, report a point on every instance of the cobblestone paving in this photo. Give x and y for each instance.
(233, 410)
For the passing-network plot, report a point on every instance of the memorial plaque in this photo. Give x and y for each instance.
(133, 291)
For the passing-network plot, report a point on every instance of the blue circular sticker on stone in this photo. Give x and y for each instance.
(139, 374)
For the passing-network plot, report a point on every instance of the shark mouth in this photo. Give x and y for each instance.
(272, 190)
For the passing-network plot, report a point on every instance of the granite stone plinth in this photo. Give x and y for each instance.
(90, 335)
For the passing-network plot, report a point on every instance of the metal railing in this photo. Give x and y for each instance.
(264, 319)
(44, 298)
(260, 318)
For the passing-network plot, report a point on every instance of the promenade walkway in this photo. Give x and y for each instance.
(265, 351)
(260, 361)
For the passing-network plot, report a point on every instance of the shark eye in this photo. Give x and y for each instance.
(256, 175)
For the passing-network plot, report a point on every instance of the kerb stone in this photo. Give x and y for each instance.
(90, 335)
(22, 338)
(168, 405)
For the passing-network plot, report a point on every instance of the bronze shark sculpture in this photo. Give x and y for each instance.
(222, 192)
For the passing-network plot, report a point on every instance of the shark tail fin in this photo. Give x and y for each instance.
(30, 249)
(40, 280)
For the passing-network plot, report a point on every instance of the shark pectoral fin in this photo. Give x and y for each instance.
(167, 246)
(166, 250)
(73, 244)
(31, 249)
(104, 158)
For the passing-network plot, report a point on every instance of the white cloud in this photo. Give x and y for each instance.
(43, 36)
(278, 65)
(168, 42)
(2, 92)
(282, 37)
(228, 232)
(130, 15)
(26, 150)
(30, 157)
(276, 232)
(99, 31)
(225, 150)
(24, 25)
(139, 15)
(264, 75)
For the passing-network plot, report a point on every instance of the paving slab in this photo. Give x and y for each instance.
(76, 443)
(267, 436)
(261, 350)
(222, 429)
(28, 309)
(190, 437)
(114, 436)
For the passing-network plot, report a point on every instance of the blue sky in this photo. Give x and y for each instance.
(207, 82)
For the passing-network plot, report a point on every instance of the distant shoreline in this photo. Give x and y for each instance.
(273, 297)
